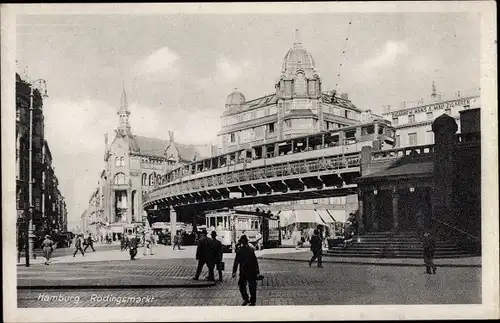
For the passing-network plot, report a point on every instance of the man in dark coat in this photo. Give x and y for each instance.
(90, 243)
(249, 270)
(132, 245)
(429, 246)
(217, 249)
(316, 248)
(205, 255)
(78, 245)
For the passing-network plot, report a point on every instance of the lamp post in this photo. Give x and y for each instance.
(30, 254)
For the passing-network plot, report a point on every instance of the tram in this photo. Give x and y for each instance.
(378, 134)
(230, 225)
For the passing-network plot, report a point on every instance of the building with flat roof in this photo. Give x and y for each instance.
(412, 120)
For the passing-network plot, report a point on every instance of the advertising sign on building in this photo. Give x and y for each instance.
(432, 107)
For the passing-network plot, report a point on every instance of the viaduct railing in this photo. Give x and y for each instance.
(267, 173)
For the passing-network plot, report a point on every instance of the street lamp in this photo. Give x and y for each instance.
(30, 254)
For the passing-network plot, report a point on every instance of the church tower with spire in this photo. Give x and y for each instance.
(124, 114)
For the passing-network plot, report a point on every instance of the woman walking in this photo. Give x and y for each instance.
(47, 245)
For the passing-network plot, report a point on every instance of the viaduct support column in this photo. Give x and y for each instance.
(395, 210)
(173, 224)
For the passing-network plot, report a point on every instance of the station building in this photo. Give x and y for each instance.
(433, 188)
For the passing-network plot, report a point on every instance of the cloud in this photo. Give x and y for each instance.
(160, 63)
(75, 131)
(230, 71)
(387, 57)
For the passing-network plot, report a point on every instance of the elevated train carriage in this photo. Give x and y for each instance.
(378, 134)
(230, 225)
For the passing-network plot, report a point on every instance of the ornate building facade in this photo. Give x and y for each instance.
(133, 166)
(298, 106)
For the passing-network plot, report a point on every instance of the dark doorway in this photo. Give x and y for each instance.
(414, 209)
(384, 210)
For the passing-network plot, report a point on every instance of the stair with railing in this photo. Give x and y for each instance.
(395, 245)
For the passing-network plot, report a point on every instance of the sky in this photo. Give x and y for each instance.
(178, 70)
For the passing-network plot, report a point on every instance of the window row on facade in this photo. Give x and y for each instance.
(150, 180)
(415, 138)
(421, 117)
(287, 107)
(341, 200)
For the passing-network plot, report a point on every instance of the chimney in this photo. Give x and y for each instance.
(458, 94)
(344, 96)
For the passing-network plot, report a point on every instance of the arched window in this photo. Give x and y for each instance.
(158, 179)
(120, 178)
(150, 182)
(144, 179)
(117, 161)
(300, 84)
(122, 161)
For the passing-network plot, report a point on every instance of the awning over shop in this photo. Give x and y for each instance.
(325, 216)
(305, 216)
(338, 215)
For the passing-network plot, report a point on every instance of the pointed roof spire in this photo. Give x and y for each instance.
(297, 39)
(123, 101)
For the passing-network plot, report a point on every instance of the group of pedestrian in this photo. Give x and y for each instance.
(80, 241)
(209, 253)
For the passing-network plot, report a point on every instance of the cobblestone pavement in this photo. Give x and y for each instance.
(285, 283)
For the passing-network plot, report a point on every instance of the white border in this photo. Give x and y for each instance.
(490, 268)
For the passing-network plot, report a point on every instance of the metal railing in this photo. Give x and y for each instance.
(263, 173)
(457, 229)
(402, 152)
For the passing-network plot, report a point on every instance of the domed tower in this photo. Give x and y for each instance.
(298, 88)
(299, 77)
(234, 102)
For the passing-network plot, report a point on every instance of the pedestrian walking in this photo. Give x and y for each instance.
(429, 246)
(78, 245)
(154, 241)
(258, 241)
(204, 255)
(217, 249)
(248, 269)
(316, 248)
(177, 240)
(296, 238)
(147, 243)
(125, 241)
(48, 247)
(133, 242)
(90, 243)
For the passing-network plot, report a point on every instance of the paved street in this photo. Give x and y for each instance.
(61, 252)
(285, 283)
